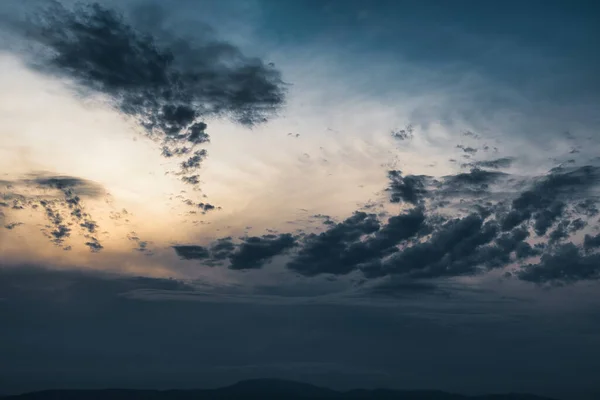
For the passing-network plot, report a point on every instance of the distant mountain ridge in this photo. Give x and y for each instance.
(268, 389)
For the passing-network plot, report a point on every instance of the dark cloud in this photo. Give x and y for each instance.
(403, 134)
(93, 244)
(351, 254)
(409, 189)
(423, 245)
(168, 82)
(76, 186)
(325, 252)
(191, 180)
(560, 233)
(62, 183)
(471, 134)
(60, 197)
(591, 242)
(545, 218)
(250, 253)
(58, 228)
(191, 252)
(577, 225)
(255, 251)
(451, 250)
(203, 207)
(479, 241)
(565, 264)
(545, 200)
(524, 250)
(498, 163)
(193, 163)
(325, 218)
(141, 245)
(466, 149)
(474, 182)
(221, 249)
(587, 207)
(12, 225)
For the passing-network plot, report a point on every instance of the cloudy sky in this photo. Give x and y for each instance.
(393, 193)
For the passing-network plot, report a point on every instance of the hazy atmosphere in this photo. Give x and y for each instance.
(386, 193)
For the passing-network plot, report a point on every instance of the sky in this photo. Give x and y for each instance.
(390, 194)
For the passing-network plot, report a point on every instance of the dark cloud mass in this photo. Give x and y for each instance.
(327, 252)
(545, 200)
(255, 251)
(191, 252)
(591, 242)
(422, 244)
(168, 83)
(410, 188)
(78, 186)
(474, 182)
(249, 253)
(566, 264)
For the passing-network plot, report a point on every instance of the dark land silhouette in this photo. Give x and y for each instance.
(262, 389)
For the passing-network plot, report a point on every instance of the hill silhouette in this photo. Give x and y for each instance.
(255, 389)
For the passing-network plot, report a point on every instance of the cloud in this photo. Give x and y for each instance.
(473, 183)
(60, 198)
(251, 252)
(78, 186)
(466, 149)
(202, 206)
(326, 252)
(591, 242)
(403, 134)
(429, 242)
(191, 252)
(255, 251)
(565, 265)
(142, 245)
(498, 163)
(12, 225)
(444, 254)
(409, 189)
(63, 183)
(221, 249)
(545, 200)
(169, 83)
